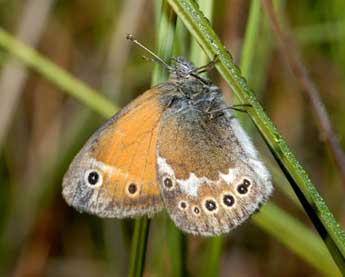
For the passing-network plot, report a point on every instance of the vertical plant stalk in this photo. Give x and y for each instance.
(139, 245)
(213, 254)
(211, 259)
(311, 200)
(289, 51)
(166, 30)
(251, 35)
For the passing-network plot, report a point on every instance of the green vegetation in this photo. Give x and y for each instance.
(40, 234)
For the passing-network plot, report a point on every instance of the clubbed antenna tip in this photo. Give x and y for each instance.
(156, 58)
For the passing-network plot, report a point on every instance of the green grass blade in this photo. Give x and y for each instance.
(311, 200)
(297, 237)
(166, 31)
(210, 265)
(177, 243)
(138, 248)
(165, 40)
(56, 75)
(247, 54)
(250, 37)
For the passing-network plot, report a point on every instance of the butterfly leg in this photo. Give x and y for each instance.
(206, 67)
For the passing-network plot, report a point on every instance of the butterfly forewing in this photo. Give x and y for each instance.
(114, 175)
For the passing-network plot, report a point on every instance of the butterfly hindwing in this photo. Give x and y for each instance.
(211, 178)
(120, 159)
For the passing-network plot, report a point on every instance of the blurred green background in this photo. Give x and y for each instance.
(42, 128)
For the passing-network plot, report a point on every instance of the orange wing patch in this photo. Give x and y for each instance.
(123, 153)
(129, 146)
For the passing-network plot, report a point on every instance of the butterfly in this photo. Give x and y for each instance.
(177, 147)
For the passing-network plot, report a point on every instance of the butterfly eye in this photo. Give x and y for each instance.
(132, 189)
(168, 183)
(246, 182)
(196, 210)
(228, 200)
(243, 187)
(183, 205)
(210, 205)
(93, 178)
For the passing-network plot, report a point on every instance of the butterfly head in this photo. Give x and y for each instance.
(181, 68)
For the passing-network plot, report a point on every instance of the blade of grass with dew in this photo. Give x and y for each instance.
(210, 266)
(308, 88)
(265, 217)
(166, 30)
(311, 200)
(272, 219)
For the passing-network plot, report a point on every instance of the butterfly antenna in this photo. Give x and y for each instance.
(155, 57)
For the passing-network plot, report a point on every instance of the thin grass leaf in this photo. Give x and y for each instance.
(138, 248)
(56, 75)
(311, 200)
(165, 40)
(166, 31)
(250, 37)
(210, 265)
(247, 54)
(297, 237)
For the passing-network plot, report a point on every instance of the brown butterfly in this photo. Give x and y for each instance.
(178, 146)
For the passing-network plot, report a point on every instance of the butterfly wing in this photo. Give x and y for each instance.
(114, 174)
(210, 176)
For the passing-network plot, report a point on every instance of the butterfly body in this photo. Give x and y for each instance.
(179, 147)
